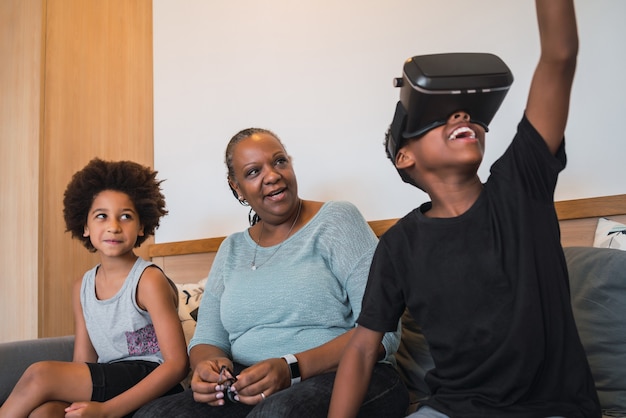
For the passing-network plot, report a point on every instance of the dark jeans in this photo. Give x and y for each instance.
(386, 396)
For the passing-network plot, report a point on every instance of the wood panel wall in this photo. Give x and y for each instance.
(21, 39)
(95, 83)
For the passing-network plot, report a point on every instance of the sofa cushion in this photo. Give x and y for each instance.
(598, 293)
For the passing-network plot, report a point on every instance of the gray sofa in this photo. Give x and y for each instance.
(15, 357)
(598, 289)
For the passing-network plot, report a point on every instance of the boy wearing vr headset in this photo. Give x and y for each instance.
(480, 267)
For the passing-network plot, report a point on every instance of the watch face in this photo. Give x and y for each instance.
(295, 370)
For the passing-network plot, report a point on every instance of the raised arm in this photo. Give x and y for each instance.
(548, 100)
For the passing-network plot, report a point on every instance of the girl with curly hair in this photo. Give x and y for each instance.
(129, 346)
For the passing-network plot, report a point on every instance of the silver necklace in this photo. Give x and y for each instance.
(254, 265)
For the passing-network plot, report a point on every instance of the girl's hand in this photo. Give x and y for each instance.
(206, 381)
(85, 409)
(259, 381)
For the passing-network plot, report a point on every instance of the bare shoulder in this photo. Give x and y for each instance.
(154, 286)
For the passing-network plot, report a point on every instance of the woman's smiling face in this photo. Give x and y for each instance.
(264, 177)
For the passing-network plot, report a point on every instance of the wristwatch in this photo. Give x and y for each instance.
(294, 369)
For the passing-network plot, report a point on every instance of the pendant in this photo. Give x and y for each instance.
(253, 267)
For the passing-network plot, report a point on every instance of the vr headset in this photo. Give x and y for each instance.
(432, 87)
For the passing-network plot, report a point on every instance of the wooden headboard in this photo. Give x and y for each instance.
(190, 261)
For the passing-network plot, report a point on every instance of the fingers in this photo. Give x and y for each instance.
(215, 398)
(259, 381)
(82, 409)
(207, 382)
(76, 405)
(213, 385)
(209, 370)
(252, 399)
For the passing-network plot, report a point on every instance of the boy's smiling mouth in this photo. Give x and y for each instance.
(462, 132)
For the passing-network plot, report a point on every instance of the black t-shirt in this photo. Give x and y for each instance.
(490, 291)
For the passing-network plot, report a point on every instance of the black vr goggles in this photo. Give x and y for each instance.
(433, 87)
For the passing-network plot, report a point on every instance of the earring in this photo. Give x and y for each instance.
(243, 201)
(253, 217)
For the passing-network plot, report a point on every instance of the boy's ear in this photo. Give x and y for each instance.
(85, 231)
(140, 233)
(404, 159)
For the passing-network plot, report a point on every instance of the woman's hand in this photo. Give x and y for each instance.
(261, 380)
(205, 381)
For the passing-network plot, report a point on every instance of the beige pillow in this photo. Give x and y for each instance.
(189, 297)
(610, 234)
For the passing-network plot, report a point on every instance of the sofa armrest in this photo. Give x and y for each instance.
(15, 357)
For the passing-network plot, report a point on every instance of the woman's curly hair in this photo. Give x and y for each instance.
(135, 180)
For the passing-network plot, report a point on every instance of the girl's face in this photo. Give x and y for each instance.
(264, 177)
(113, 224)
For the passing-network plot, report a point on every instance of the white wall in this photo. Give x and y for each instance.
(319, 74)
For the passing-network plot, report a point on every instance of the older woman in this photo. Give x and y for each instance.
(281, 301)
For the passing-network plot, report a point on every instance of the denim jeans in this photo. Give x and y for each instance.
(386, 397)
(428, 412)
